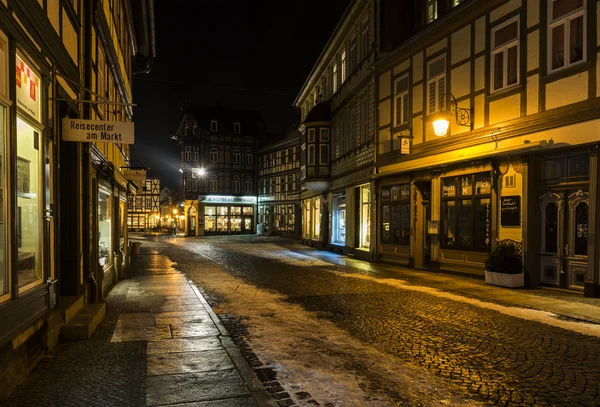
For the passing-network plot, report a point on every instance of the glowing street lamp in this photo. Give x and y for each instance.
(462, 117)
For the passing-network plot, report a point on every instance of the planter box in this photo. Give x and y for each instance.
(505, 280)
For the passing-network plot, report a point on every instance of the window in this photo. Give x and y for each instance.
(311, 154)
(214, 125)
(213, 184)
(335, 78)
(344, 67)
(235, 186)
(237, 156)
(396, 214)
(436, 83)
(505, 55)
(401, 102)
(4, 288)
(188, 156)
(248, 185)
(353, 56)
(566, 33)
(104, 229)
(317, 218)
(365, 217)
(456, 2)
(196, 156)
(236, 128)
(466, 211)
(214, 155)
(432, 10)
(365, 46)
(339, 220)
(324, 154)
(186, 128)
(248, 157)
(195, 128)
(324, 135)
(573, 167)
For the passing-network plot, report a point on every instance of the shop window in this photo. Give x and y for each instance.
(28, 213)
(339, 220)
(222, 219)
(105, 229)
(436, 85)
(466, 215)
(317, 218)
(3, 265)
(365, 217)
(396, 215)
(566, 31)
(505, 55)
(306, 220)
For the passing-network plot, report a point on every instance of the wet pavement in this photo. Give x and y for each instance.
(472, 343)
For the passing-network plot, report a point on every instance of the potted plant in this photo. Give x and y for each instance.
(504, 265)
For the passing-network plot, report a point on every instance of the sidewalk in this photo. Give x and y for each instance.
(190, 357)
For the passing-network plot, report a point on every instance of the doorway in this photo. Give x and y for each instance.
(564, 238)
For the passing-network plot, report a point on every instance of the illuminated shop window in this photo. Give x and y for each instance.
(105, 228)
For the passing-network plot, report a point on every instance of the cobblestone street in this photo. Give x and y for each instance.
(465, 346)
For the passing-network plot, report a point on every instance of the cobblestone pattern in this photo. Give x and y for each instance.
(495, 358)
(89, 373)
(267, 375)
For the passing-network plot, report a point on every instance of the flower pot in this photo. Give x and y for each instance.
(505, 280)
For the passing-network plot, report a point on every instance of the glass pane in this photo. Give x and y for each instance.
(28, 218)
(448, 187)
(581, 229)
(563, 7)
(222, 224)
(105, 228)
(248, 210)
(405, 238)
(210, 210)
(482, 223)
(449, 222)
(558, 47)
(437, 68)
(551, 228)
(402, 85)
(465, 223)
(506, 34)
(236, 224)
(222, 210)
(366, 194)
(210, 223)
(498, 70)
(396, 224)
(466, 185)
(365, 227)
(236, 210)
(386, 236)
(405, 193)
(483, 184)
(512, 66)
(385, 194)
(3, 268)
(576, 40)
(405, 112)
(395, 193)
(247, 224)
(554, 170)
(579, 166)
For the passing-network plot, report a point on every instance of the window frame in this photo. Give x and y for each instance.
(504, 48)
(248, 157)
(214, 125)
(436, 79)
(236, 156)
(237, 127)
(214, 155)
(565, 21)
(428, 5)
(400, 97)
(399, 203)
(344, 67)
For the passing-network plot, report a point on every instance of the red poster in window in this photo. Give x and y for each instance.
(32, 90)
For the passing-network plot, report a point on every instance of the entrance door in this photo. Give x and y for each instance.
(426, 235)
(577, 239)
(563, 254)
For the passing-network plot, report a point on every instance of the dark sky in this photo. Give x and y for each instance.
(236, 53)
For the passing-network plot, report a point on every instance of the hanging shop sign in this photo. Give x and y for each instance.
(137, 176)
(404, 145)
(97, 131)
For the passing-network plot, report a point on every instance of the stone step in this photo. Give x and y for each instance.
(83, 325)
(69, 307)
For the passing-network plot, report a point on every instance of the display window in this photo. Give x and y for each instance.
(365, 217)
(228, 219)
(466, 211)
(317, 218)
(105, 249)
(339, 220)
(395, 214)
(4, 274)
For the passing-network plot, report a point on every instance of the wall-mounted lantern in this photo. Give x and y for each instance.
(442, 122)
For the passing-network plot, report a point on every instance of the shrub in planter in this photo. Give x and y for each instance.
(505, 258)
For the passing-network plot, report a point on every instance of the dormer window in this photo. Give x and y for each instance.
(214, 125)
(236, 128)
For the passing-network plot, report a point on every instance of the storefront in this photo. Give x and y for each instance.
(338, 217)
(395, 221)
(227, 215)
(311, 221)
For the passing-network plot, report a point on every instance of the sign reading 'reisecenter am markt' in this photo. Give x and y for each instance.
(97, 131)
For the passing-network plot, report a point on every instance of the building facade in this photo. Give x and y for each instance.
(218, 170)
(337, 138)
(144, 207)
(278, 185)
(62, 235)
(516, 81)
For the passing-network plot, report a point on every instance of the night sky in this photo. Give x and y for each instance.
(236, 53)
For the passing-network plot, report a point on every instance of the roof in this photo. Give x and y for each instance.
(321, 112)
